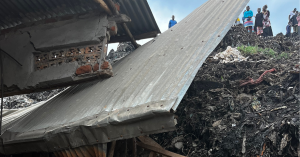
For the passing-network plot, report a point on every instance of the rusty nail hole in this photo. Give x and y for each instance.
(148, 106)
(121, 136)
(218, 35)
(97, 140)
(141, 132)
(128, 110)
(108, 138)
(162, 127)
(161, 105)
(96, 116)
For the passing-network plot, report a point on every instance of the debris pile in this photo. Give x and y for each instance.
(246, 108)
(238, 36)
(21, 101)
(123, 50)
(230, 55)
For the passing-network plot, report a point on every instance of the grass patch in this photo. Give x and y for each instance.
(252, 50)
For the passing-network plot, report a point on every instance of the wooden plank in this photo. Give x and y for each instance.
(134, 43)
(111, 5)
(104, 6)
(134, 150)
(112, 149)
(158, 150)
(150, 141)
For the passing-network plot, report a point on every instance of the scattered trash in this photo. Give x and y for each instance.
(256, 104)
(230, 55)
(259, 80)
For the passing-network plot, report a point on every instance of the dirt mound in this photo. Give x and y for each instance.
(247, 108)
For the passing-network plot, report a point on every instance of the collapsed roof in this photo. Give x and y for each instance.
(18, 13)
(139, 99)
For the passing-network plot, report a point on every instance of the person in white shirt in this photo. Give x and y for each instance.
(290, 18)
(292, 14)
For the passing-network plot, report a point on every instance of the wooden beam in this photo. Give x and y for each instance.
(130, 35)
(158, 150)
(112, 6)
(112, 149)
(104, 6)
(134, 150)
(150, 141)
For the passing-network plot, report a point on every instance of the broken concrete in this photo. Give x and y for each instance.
(53, 53)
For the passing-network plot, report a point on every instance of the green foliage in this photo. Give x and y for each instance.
(284, 55)
(252, 50)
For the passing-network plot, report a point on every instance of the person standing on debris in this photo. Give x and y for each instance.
(259, 22)
(298, 19)
(238, 21)
(288, 30)
(294, 22)
(292, 14)
(267, 29)
(172, 22)
(248, 19)
(243, 18)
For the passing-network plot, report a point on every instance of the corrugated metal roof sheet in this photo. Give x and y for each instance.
(16, 12)
(146, 87)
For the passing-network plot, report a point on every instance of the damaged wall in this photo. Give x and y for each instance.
(56, 53)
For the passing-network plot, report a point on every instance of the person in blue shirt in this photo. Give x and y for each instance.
(172, 22)
(248, 14)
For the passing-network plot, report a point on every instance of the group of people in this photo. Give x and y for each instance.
(294, 22)
(262, 24)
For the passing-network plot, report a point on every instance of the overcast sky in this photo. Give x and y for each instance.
(164, 9)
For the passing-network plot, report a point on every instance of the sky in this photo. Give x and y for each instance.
(164, 9)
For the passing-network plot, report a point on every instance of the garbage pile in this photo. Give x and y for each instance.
(244, 108)
(238, 36)
(123, 50)
(22, 101)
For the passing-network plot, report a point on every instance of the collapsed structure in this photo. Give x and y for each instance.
(140, 99)
(50, 44)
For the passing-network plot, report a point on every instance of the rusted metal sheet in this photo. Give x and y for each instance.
(139, 99)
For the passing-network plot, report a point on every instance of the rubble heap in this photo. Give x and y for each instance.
(238, 36)
(21, 101)
(123, 50)
(226, 113)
